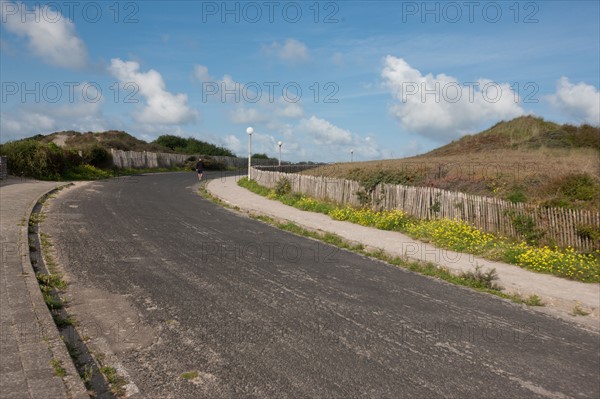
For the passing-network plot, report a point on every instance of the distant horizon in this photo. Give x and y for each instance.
(386, 79)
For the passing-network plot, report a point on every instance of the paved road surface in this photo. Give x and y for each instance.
(173, 283)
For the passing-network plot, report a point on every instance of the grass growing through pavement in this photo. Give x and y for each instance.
(452, 234)
(116, 381)
(59, 370)
(189, 375)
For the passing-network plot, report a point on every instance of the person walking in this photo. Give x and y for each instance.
(199, 168)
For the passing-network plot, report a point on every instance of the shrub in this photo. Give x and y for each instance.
(580, 187)
(191, 146)
(589, 231)
(211, 164)
(283, 186)
(516, 195)
(38, 160)
(482, 279)
(525, 226)
(97, 156)
(87, 172)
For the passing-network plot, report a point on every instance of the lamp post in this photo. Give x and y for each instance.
(249, 130)
(351, 155)
(280, 143)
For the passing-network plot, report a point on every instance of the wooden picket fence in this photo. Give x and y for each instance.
(485, 213)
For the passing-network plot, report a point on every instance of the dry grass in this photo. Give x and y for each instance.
(534, 176)
(516, 164)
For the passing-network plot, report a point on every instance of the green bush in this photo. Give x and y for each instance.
(589, 232)
(38, 160)
(516, 195)
(97, 156)
(87, 172)
(581, 187)
(213, 164)
(191, 146)
(283, 186)
(526, 227)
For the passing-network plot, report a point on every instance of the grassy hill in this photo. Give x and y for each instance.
(120, 140)
(523, 133)
(110, 139)
(526, 160)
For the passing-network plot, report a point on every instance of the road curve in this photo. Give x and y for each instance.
(174, 283)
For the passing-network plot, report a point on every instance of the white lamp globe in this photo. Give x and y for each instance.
(249, 130)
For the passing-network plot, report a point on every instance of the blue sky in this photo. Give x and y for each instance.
(384, 79)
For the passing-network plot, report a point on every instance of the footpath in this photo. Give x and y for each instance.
(560, 296)
(31, 350)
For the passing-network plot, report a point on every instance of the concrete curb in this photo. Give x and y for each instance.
(73, 383)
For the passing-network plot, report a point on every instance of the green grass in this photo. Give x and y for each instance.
(533, 300)
(189, 375)
(298, 201)
(253, 186)
(62, 322)
(86, 172)
(116, 381)
(87, 375)
(59, 370)
(51, 281)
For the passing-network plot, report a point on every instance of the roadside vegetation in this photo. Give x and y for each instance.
(191, 145)
(525, 160)
(448, 234)
(86, 156)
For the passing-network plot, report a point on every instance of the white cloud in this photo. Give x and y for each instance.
(266, 101)
(50, 35)
(235, 145)
(335, 143)
(162, 107)
(324, 132)
(442, 108)
(80, 114)
(292, 51)
(21, 125)
(313, 139)
(201, 73)
(579, 101)
(290, 110)
(244, 115)
(28, 121)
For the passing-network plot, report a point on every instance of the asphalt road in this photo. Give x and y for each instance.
(175, 283)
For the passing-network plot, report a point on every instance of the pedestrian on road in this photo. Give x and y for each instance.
(199, 168)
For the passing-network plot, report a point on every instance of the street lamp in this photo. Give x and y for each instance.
(249, 130)
(280, 143)
(351, 155)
